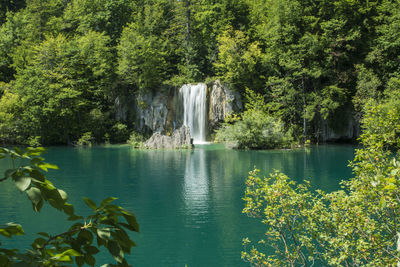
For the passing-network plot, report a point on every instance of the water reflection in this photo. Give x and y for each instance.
(196, 184)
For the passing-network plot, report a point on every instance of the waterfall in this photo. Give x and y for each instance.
(194, 110)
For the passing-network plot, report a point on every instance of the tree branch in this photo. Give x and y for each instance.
(73, 231)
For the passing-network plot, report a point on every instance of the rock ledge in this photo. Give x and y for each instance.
(179, 139)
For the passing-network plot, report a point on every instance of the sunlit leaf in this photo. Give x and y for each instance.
(104, 233)
(107, 201)
(22, 183)
(34, 195)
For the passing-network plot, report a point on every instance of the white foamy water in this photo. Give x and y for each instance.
(193, 97)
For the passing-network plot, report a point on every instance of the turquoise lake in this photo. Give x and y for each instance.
(188, 203)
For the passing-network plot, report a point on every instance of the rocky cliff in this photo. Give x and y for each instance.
(222, 101)
(162, 111)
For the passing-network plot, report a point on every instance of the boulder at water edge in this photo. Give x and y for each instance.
(180, 138)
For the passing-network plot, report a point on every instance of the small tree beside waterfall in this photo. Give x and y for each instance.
(254, 128)
(356, 226)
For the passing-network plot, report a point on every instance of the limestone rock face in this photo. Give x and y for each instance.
(157, 112)
(180, 138)
(349, 130)
(120, 110)
(151, 111)
(222, 102)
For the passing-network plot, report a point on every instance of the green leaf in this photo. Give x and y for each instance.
(22, 183)
(43, 234)
(90, 203)
(90, 260)
(63, 195)
(127, 226)
(115, 251)
(107, 201)
(36, 161)
(80, 261)
(390, 187)
(45, 166)
(18, 151)
(11, 229)
(123, 240)
(34, 194)
(68, 209)
(9, 172)
(66, 255)
(38, 243)
(37, 175)
(65, 258)
(35, 151)
(131, 219)
(104, 233)
(38, 207)
(85, 236)
(92, 249)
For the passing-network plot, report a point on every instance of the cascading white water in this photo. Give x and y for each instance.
(194, 110)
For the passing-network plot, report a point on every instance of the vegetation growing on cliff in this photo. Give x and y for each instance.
(63, 64)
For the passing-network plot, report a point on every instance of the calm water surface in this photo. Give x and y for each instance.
(188, 203)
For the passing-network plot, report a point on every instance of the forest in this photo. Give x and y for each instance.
(63, 63)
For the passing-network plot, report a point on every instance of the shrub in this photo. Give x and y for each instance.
(34, 141)
(119, 133)
(85, 140)
(255, 128)
(136, 140)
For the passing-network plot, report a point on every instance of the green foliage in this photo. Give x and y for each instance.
(85, 140)
(255, 128)
(9, 6)
(311, 60)
(59, 79)
(107, 226)
(34, 141)
(10, 120)
(284, 209)
(98, 123)
(109, 16)
(367, 87)
(119, 133)
(141, 58)
(66, 78)
(136, 140)
(238, 59)
(356, 226)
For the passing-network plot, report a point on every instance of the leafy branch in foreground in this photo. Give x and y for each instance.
(356, 226)
(107, 226)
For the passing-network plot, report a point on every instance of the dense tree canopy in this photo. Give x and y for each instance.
(313, 60)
